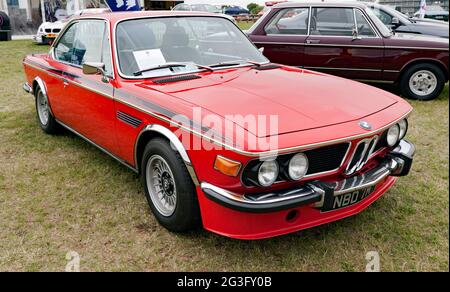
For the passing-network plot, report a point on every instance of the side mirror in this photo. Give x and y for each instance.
(261, 50)
(93, 68)
(395, 22)
(355, 34)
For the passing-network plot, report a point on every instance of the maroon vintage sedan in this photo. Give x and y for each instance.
(348, 40)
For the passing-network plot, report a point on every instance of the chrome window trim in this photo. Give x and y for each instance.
(67, 26)
(116, 56)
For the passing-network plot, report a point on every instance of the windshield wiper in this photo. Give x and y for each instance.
(170, 66)
(225, 64)
(234, 63)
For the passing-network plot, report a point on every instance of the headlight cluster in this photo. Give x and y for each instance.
(266, 173)
(396, 133)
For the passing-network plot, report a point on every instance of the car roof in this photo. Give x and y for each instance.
(118, 16)
(331, 3)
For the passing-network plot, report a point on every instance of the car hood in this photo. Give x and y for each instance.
(422, 40)
(301, 99)
(430, 29)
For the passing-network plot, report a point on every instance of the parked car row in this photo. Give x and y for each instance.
(145, 86)
(350, 41)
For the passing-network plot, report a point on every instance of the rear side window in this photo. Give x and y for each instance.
(289, 21)
(82, 42)
(332, 21)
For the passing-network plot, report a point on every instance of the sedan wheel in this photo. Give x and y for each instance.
(423, 82)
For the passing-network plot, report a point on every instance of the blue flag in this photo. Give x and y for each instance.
(123, 5)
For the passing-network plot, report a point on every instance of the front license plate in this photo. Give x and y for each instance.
(51, 35)
(345, 200)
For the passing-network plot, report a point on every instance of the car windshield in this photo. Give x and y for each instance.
(188, 43)
(384, 30)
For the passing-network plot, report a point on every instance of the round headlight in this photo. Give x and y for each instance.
(403, 124)
(298, 166)
(268, 173)
(393, 135)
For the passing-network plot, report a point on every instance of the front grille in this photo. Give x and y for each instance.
(381, 142)
(326, 159)
(48, 30)
(321, 160)
(56, 30)
(361, 155)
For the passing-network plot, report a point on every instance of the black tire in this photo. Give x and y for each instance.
(186, 215)
(435, 70)
(50, 126)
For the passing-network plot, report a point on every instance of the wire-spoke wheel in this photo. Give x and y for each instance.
(168, 186)
(161, 185)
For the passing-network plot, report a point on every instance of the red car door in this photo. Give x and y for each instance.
(343, 42)
(87, 105)
(283, 35)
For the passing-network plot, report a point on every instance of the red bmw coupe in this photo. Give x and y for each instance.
(221, 137)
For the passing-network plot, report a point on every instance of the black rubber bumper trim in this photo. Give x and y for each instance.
(262, 208)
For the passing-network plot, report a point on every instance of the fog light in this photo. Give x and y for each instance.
(298, 166)
(393, 135)
(268, 173)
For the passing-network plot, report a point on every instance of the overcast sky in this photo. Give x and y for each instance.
(242, 3)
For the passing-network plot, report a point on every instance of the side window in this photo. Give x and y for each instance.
(63, 50)
(383, 16)
(88, 39)
(106, 53)
(332, 21)
(289, 21)
(364, 28)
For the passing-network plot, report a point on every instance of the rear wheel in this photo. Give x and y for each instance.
(45, 118)
(168, 187)
(422, 82)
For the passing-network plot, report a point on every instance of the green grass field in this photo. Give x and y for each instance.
(60, 194)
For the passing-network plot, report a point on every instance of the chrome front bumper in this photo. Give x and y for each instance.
(27, 88)
(397, 163)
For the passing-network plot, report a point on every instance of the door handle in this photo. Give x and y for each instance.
(313, 41)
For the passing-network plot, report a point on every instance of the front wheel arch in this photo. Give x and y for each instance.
(153, 131)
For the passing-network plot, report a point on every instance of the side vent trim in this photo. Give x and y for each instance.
(130, 120)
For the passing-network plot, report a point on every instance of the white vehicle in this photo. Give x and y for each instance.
(49, 31)
(202, 8)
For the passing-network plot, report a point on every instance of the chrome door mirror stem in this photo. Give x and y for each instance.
(93, 68)
(355, 34)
